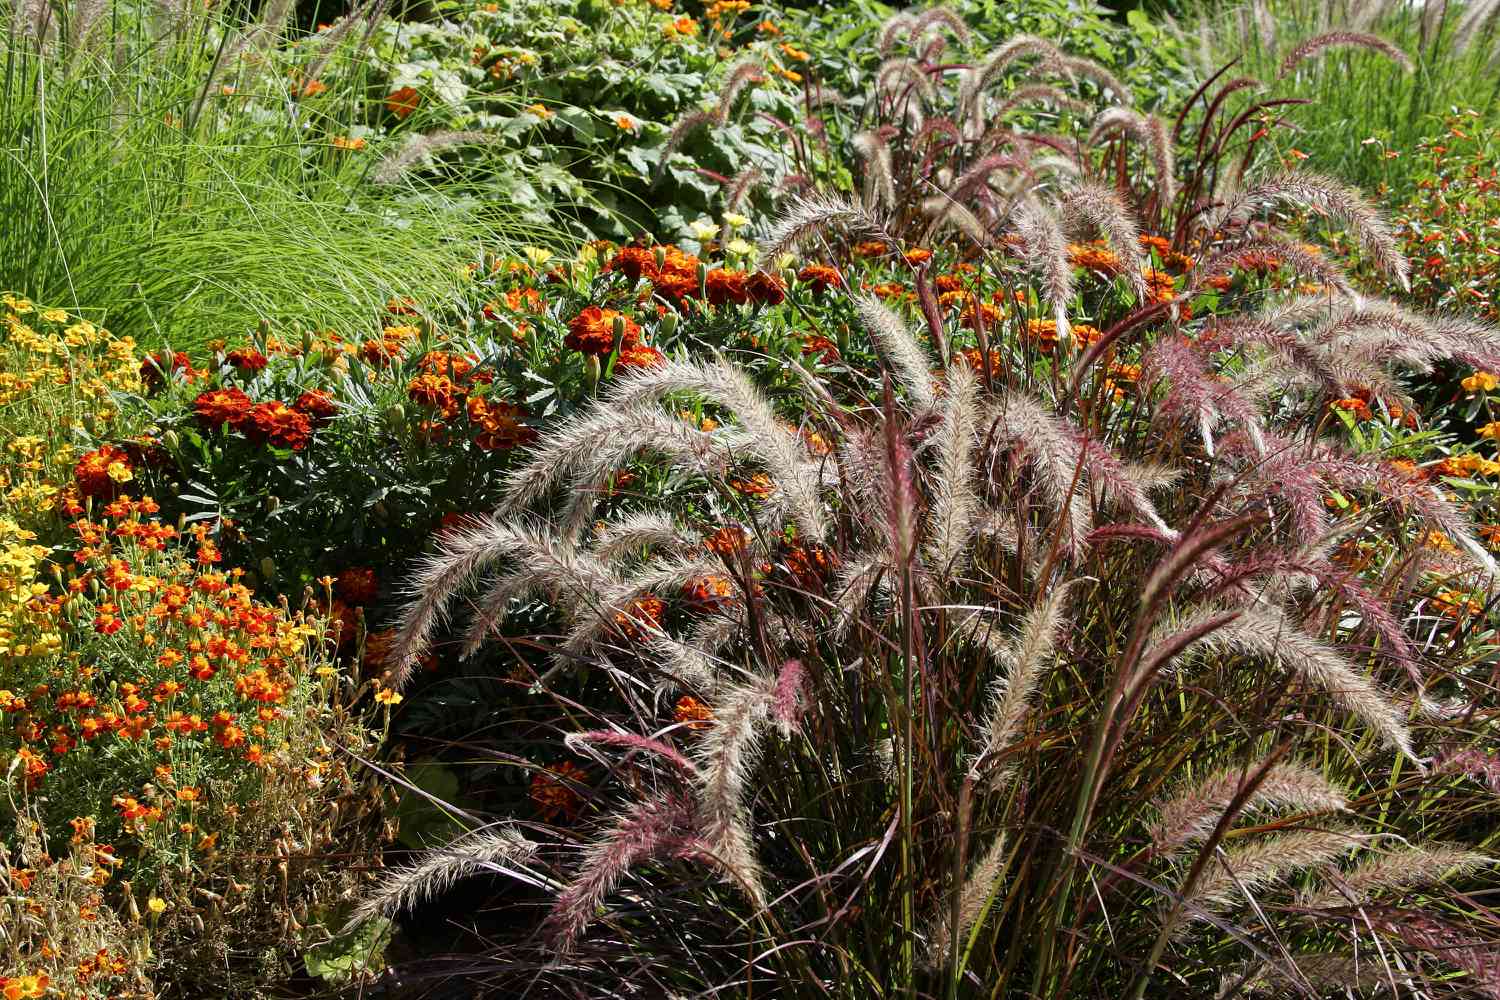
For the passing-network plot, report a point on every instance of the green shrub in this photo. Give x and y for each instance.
(564, 109)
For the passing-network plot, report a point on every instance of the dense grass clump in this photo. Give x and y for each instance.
(1071, 644)
(161, 165)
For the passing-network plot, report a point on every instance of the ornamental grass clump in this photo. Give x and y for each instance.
(1069, 645)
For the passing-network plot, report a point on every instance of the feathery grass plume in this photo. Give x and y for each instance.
(1324, 43)
(1327, 196)
(1260, 864)
(1196, 394)
(740, 186)
(1028, 658)
(900, 348)
(875, 156)
(1267, 633)
(820, 95)
(661, 827)
(976, 78)
(946, 17)
(812, 215)
(1150, 132)
(493, 606)
(858, 578)
(1478, 17)
(82, 20)
(973, 896)
(1102, 208)
(1316, 571)
(944, 211)
(1047, 253)
(779, 447)
(1034, 93)
(894, 30)
(606, 610)
(1023, 422)
(586, 447)
(1453, 944)
(1474, 343)
(553, 566)
(580, 742)
(788, 697)
(368, 12)
(1193, 811)
(641, 530)
(270, 27)
(976, 178)
(1331, 974)
(955, 504)
(33, 20)
(1308, 266)
(393, 166)
(403, 889)
(1107, 82)
(741, 75)
(692, 662)
(726, 755)
(1398, 871)
(900, 71)
(681, 129)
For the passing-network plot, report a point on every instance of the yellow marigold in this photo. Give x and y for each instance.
(1481, 381)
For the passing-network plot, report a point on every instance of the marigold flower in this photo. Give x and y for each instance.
(1481, 381)
(728, 541)
(156, 369)
(707, 593)
(499, 424)
(218, 407)
(640, 617)
(822, 348)
(1094, 257)
(820, 277)
(724, 286)
(279, 425)
(318, 406)
(592, 331)
(247, 359)
(692, 713)
(766, 289)
(1358, 407)
(976, 312)
(552, 791)
(357, 585)
(97, 473)
(640, 356)
(403, 102)
(870, 248)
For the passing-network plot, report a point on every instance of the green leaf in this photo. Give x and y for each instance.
(360, 950)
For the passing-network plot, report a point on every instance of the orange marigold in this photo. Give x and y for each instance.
(403, 102)
(724, 286)
(553, 793)
(100, 472)
(592, 331)
(692, 713)
(218, 407)
(279, 425)
(820, 277)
